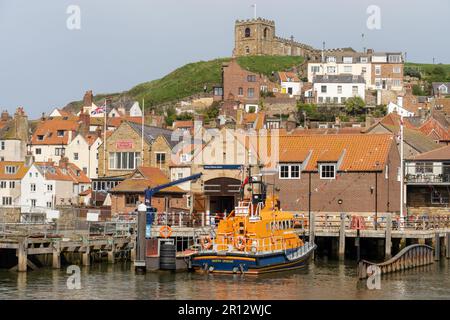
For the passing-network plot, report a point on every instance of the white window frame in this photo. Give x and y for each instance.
(321, 167)
(290, 171)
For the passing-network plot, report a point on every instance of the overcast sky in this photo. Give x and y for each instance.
(44, 65)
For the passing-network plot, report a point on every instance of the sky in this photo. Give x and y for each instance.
(44, 64)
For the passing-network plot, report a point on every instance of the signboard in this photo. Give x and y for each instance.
(223, 167)
(92, 216)
(52, 214)
(124, 144)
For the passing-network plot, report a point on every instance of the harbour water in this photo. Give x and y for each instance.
(322, 279)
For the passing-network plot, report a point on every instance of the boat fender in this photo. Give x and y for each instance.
(206, 242)
(240, 243)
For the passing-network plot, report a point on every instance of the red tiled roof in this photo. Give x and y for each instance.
(48, 129)
(288, 77)
(20, 171)
(438, 154)
(355, 152)
(143, 178)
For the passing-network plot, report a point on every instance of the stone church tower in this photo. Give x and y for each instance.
(258, 37)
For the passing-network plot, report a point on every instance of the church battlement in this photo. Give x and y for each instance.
(257, 20)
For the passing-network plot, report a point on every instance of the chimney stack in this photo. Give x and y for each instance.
(63, 162)
(88, 98)
(85, 120)
(5, 115)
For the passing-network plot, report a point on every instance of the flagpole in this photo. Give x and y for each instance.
(402, 215)
(142, 136)
(104, 142)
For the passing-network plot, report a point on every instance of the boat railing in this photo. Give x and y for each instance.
(249, 244)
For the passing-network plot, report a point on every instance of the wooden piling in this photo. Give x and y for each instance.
(312, 228)
(112, 253)
(342, 238)
(86, 258)
(56, 256)
(437, 247)
(388, 240)
(447, 245)
(22, 255)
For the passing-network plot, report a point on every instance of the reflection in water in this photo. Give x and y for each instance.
(320, 280)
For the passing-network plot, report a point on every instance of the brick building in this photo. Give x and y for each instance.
(126, 196)
(338, 173)
(242, 85)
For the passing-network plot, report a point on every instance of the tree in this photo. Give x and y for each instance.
(417, 90)
(355, 106)
(308, 109)
(171, 115)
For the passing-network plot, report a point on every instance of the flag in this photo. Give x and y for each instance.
(99, 110)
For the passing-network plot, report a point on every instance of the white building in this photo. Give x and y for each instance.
(51, 137)
(46, 185)
(14, 136)
(342, 62)
(83, 152)
(135, 110)
(337, 89)
(401, 111)
(290, 84)
(11, 174)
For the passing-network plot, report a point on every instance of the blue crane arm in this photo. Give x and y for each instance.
(151, 191)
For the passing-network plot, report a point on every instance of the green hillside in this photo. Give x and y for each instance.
(429, 72)
(191, 79)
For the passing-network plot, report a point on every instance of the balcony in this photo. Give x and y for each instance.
(428, 179)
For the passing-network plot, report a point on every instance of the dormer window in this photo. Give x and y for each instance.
(40, 137)
(327, 171)
(289, 171)
(331, 59)
(10, 169)
(60, 133)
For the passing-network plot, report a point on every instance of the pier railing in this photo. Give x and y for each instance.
(332, 222)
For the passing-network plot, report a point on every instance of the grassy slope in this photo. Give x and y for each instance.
(427, 69)
(190, 79)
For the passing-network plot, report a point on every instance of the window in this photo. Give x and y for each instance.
(348, 69)
(397, 70)
(131, 199)
(2, 145)
(323, 89)
(331, 59)
(395, 58)
(60, 133)
(354, 90)
(75, 156)
(347, 60)
(289, 171)
(40, 137)
(363, 70)
(160, 158)
(10, 169)
(396, 83)
(247, 50)
(364, 60)
(218, 91)
(424, 167)
(49, 204)
(439, 197)
(180, 175)
(377, 70)
(241, 92)
(124, 160)
(84, 170)
(247, 33)
(327, 171)
(343, 99)
(33, 202)
(59, 151)
(250, 92)
(335, 100)
(251, 78)
(328, 99)
(7, 201)
(33, 187)
(38, 151)
(2, 184)
(266, 33)
(331, 69)
(315, 69)
(49, 187)
(320, 99)
(12, 184)
(339, 89)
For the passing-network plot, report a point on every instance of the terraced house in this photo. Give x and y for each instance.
(326, 173)
(11, 174)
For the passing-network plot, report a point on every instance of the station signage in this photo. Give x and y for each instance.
(223, 167)
(124, 144)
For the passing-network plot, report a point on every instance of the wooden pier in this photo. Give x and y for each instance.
(29, 240)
